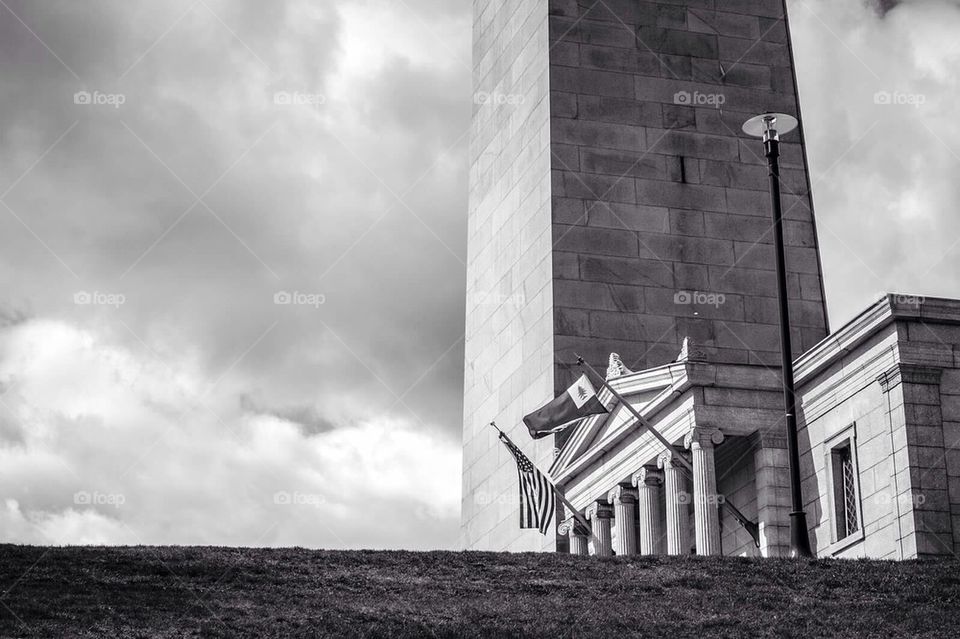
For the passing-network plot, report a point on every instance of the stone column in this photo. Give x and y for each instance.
(675, 493)
(577, 533)
(599, 513)
(648, 482)
(624, 501)
(706, 514)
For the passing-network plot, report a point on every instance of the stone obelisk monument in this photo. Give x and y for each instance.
(616, 206)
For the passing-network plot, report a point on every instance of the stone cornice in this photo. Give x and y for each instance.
(843, 340)
(883, 366)
(818, 398)
(889, 379)
(940, 310)
(909, 374)
(735, 420)
(892, 352)
(646, 380)
(881, 313)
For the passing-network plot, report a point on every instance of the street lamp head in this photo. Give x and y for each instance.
(769, 126)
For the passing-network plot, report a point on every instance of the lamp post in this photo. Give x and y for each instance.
(769, 126)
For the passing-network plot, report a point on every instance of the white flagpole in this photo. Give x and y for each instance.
(642, 421)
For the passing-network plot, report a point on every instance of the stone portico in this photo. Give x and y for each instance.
(879, 448)
(716, 416)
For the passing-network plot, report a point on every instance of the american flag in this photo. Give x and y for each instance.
(537, 498)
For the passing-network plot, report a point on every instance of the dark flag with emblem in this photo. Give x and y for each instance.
(537, 496)
(579, 401)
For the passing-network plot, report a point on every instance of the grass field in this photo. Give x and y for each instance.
(229, 592)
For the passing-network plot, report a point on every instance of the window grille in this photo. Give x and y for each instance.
(846, 509)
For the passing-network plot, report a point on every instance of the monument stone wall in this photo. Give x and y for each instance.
(616, 206)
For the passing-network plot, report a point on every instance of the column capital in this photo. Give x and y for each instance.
(622, 493)
(666, 460)
(647, 476)
(571, 526)
(599, 510)
(703, 437)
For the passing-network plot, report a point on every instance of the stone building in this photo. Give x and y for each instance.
(616, 206)
(879, 441)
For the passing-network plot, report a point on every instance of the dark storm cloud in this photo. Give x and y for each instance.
(11, 316)
(306, 417)
(296, 198)
(202, 202)
(885, 5)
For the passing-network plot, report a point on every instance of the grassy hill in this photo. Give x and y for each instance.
(228, 592)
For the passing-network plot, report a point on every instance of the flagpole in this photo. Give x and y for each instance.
(578, 515)
(563, 499)
(751, 527)
(643, 422)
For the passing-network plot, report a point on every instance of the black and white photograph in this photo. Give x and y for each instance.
(479, 318)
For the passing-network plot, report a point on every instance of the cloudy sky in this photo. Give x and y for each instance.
(170, 171)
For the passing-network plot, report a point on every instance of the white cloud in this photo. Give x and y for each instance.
(198, 398)
(879, 96)
(114, 449)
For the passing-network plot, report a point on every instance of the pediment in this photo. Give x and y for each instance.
(642, 390)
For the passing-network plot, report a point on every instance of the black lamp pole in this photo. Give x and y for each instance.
(767, 123)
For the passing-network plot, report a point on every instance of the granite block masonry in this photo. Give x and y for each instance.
(615, 206)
